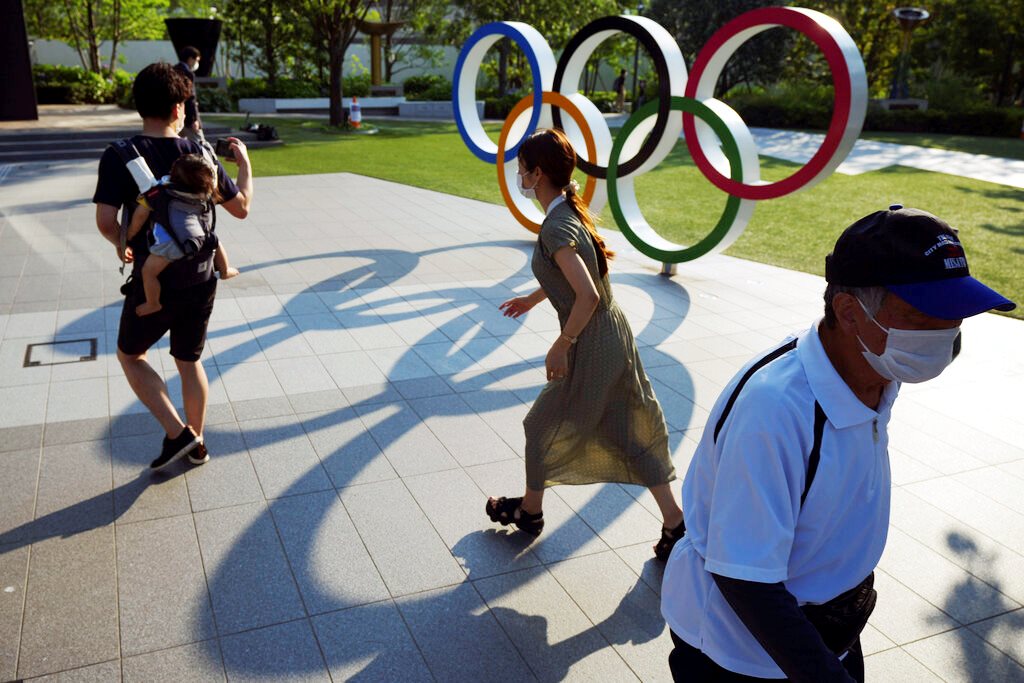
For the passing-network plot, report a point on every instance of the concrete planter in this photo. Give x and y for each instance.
(296, 105)
(433, 110)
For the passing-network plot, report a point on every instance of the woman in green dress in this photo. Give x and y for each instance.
(597, 419)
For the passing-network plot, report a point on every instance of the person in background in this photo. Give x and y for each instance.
(187, 67)
(641, 94)
(619, 86)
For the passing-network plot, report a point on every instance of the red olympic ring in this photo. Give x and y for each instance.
(738, 31)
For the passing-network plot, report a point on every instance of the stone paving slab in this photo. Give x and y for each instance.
(365, 399)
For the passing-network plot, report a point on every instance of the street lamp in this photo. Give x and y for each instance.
(636, 54)
(909, 18)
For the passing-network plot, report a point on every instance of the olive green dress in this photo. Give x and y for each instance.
(602, 423)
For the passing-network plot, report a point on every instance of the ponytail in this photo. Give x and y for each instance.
(589, 220)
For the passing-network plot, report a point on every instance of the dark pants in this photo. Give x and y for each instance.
(693, 666)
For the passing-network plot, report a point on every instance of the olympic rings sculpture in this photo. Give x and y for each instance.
(719, 141)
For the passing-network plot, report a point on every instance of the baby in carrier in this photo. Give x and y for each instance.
(179, 203)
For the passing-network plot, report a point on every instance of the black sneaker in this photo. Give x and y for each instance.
(199, 454)
(175, 448)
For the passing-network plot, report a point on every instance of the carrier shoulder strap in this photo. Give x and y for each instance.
(135, 163)
(819, 414)
(141, 174)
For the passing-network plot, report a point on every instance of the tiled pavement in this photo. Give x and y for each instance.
(366, 396)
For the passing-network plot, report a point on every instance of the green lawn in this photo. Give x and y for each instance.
(794, 231)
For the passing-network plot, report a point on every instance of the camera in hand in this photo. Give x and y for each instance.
(223, 149)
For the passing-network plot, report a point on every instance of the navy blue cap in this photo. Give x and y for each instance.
(916, 256)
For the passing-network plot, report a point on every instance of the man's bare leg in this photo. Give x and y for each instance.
(150, 388)
(195, 390)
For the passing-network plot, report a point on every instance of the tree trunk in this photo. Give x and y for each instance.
(91, 38)
(1006, 77)
(115, 36)
(75, 34)
(389, 63)
(336, 92)
(268, 44)
(502, 66)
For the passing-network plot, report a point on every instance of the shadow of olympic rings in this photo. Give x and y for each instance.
(387, 266)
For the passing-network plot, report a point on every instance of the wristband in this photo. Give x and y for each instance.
(571, 340)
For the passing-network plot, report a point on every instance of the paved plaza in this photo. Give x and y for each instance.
(366, 398)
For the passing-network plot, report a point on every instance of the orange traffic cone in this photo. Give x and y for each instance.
(356, 116)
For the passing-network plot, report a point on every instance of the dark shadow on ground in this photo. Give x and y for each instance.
(984, 663)
(383, 267)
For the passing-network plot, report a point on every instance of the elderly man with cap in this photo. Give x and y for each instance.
(786, 499)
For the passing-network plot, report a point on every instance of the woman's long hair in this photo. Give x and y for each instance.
(550, 150)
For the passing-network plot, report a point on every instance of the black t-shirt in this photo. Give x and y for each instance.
(116, 187)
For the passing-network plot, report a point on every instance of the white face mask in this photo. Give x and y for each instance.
(528, 192)
(912, 356)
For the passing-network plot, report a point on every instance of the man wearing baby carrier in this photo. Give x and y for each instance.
(786, 499)
(188, 285)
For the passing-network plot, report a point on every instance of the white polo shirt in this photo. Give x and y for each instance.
(741, 501)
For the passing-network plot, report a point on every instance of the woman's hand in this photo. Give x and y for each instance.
(557, 361)
(513, 308)
(127, 256)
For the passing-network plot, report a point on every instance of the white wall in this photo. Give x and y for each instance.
(134, 55)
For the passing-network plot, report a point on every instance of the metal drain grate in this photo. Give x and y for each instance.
(60, 352)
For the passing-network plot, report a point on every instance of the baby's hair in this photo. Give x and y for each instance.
(193, 173)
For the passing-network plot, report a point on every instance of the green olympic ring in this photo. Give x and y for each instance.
(643, 242)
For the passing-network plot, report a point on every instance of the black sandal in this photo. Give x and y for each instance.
(663, 548)
(508, 511)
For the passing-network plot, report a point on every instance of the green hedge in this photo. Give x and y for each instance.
(760, 109)
(603, 99)
(1001, 122)
(499, 107)
(214, 100)
(356, 86)
(431, 87)
(240, 88)
(57, 84)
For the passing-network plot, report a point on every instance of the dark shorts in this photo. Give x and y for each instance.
(687, 663)
(185, 314)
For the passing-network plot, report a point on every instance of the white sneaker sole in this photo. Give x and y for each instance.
(196, 460)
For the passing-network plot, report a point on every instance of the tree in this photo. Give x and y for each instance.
(873, 28)
(85, 24)
(414, 44)
(757, 62)
(978, 39)
(275, 28)
(336, 22)
(556, 20)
